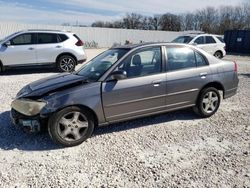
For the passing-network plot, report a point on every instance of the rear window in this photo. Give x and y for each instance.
(210, 40)
(46, 38)
(220, 39)
(62, 37)
(180, 58)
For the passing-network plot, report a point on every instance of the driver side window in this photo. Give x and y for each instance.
(24, 39)
(142, 63)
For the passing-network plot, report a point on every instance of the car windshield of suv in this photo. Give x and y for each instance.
(93, 70)
(183, 39)
(9, 36)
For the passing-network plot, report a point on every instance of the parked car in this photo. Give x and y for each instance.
(213, 44)
(124, 83)
(42, 47)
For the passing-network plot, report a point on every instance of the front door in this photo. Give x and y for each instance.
(142, 93)
(21, 51)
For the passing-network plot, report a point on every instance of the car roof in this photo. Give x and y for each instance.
(148, 44)
(44, 31)
(196, 35)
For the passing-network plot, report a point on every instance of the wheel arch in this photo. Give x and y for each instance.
(217, 85)
(66, 53)
(219, 51)
(83, 107)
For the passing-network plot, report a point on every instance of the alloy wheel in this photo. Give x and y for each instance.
(72, 126)
(67, 64)
(210, 102)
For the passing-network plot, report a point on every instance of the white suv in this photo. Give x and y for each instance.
(42, 47)
(213, 44)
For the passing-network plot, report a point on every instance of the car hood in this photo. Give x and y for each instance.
(51, 84)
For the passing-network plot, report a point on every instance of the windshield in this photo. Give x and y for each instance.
(93, 70)
(9, 36)
(183, 39)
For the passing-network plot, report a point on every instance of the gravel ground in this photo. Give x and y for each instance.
(176, 149)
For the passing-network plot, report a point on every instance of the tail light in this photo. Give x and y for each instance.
(235, 67)
(79, 43)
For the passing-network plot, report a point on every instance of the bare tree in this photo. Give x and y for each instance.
(187, 21)
(210, 19)
(170, 22)
(154, 22)
(133, 21)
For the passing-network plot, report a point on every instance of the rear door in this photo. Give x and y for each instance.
(48, 47)
(210, 45)
(187, 72)
(21, 51)
(143, 92)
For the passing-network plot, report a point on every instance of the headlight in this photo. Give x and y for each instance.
(28, 107)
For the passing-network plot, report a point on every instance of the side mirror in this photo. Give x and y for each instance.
(194, 43)
(118, 75)
(7, 43)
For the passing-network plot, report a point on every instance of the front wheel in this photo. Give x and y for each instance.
(71, 126)
(66, 63)
(208, 102)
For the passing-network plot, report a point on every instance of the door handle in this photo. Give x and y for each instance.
(31, 48)
(156, 83)
(203, 75)
(58, 46)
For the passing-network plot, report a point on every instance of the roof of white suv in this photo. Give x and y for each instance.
(44, 31)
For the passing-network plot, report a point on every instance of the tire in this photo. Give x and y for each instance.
(208, 102)
(218, 54)
(66, 63)
(1, 67)
(71, 126)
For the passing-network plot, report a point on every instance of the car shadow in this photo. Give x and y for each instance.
(245, 75)
(186, 114)
(12, 137)
(33, 70)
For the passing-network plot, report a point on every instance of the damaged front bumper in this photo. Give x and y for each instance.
(29, 124)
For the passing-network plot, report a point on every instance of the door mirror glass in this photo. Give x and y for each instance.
(118, 75)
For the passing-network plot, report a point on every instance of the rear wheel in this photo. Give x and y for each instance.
(208, 102)
(71, 126)
(66, 63)
(218, 54)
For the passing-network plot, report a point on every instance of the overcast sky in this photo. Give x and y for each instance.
(88, 11)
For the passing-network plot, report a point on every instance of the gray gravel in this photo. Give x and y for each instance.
(176, 149)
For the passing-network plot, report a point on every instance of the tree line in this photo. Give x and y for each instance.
(209, 20)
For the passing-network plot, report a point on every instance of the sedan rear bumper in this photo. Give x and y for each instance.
(230, 93)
